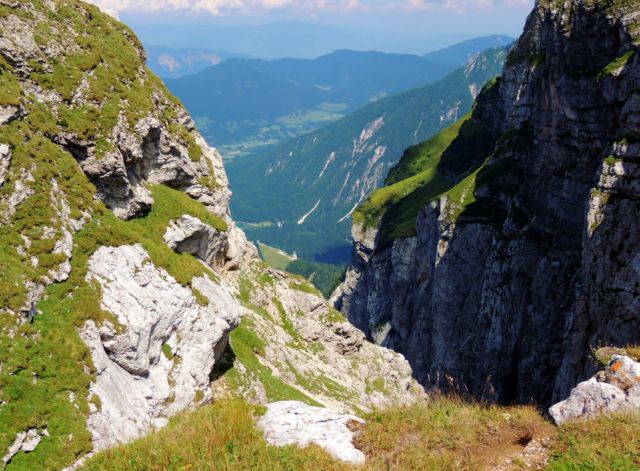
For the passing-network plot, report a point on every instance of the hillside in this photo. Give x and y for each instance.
(460, 53)
(127, 293)
(308, 187)
(168, 62)
(243, 104)
(521, 220)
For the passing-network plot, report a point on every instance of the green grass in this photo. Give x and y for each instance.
(248, 346)
(610, 442)
(273, 257)
(417, 168)
(444, 434)
(618, 63)
(219, 436)
(304, 287)
(446, 165)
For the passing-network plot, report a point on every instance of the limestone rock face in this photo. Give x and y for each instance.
(157, 359)
(190, 235)
(617, 389)
(296, 423)
(508, 297)
(315, 350)
(149, 154)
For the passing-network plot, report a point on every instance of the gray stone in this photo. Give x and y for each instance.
(25, 441)
(296, 423)
(163, 350)
(5, 161)
(190, 235)
(617, 390)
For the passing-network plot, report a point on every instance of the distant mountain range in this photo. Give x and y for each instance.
(174, 63)
(299, 196)
(461, 52)
(244, 104)
(298, 39)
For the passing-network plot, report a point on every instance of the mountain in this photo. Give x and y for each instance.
(460, 53)
(127, 292)
(277, 39)
(503, 252)
(305, 190)
(244, 104)
(175, 63)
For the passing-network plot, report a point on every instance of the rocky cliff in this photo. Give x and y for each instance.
(523, 250)
(123, 274)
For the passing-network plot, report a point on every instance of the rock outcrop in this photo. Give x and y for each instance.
(311, 348)
(122, 265)
(160, 348)
(505, 294)
(616, 389)
(190, 235)
(25, 441)
(292, 422)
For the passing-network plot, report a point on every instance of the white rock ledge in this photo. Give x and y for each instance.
(296, 423)
(160, 363)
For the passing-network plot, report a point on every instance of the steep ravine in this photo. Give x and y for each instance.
(127, 292)
(529, 258)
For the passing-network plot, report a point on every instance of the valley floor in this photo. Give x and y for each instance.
(444, 434)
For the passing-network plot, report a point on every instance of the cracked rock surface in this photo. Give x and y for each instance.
(293, 422)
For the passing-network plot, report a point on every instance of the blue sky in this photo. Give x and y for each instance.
(441, 22)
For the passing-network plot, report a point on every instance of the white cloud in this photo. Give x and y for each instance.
(220, 7)
(467, 6)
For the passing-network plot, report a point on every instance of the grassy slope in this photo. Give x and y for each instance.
(284, 182)
(446, 165)
(446, 434)
(417, 168)
(46, 364)
(274, 257)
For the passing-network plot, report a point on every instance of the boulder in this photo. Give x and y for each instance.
(296, 423)
(25, 441)
(616, 389)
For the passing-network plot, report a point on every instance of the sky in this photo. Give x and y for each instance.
(403, 25)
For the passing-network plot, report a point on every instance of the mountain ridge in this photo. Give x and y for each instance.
(336, 167)
(244, 104)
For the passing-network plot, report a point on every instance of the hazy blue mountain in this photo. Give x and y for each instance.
(462, 52)
(297, 39)
(167, 62)
(299, 196)
(243, 104)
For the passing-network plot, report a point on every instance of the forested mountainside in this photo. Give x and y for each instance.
(127, 293)
(501, 252)
(242, 105)
(300, 196)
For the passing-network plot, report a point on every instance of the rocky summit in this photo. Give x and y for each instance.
(518, 251)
